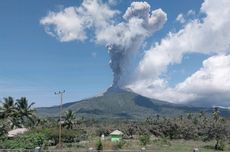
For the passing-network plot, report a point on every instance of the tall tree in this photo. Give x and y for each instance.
(8, 107)
(70, 118)
(25, 110)
(9, 114)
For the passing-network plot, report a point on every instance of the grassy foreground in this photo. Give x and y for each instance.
(186, 146)
(155, 145)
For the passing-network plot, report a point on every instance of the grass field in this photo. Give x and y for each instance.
(185, 146)
(157, 145)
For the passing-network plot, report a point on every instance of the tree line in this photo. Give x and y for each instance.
(19, 113)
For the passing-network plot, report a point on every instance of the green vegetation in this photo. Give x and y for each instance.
(27, 141)
(17, 114)
(144, 139)
(69, 118)
(155, 132)
(99, 145)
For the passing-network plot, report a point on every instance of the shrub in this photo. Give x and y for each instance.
(68, 136)
(99, 145)
(27, 141)
(144, 139)
(220, 145)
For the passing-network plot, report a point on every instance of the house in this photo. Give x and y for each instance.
(116, 135)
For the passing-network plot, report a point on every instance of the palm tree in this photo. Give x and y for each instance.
(8, 108)
(25, 112)
(9, 113)
(70, 118)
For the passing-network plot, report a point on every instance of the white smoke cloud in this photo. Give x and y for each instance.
(123, 39)
(209, 35)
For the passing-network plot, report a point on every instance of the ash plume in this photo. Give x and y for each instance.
(127, 37)
(123, 39)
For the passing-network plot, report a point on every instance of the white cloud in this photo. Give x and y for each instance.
(158, 89)
(209, 35)
(72, 22)
(209, 84)
(113, 2)
(191, 13)
(67, 24)
(185, 18)
(212, 78)
(180, 18)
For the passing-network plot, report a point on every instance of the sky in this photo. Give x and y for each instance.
(178, 53)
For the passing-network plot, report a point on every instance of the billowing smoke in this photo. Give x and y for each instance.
(123, 39)
(129, 36)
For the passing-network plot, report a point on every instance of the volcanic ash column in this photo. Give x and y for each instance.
(128, 36)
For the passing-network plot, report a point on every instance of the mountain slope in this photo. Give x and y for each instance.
(118, 103)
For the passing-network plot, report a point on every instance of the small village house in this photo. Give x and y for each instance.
(116, 136)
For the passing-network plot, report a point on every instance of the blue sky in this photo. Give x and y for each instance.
(35, 64)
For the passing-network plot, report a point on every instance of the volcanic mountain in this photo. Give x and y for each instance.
(123, 104)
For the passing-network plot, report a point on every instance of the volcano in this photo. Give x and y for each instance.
(120, 103)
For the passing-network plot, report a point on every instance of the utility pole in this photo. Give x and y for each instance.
(60, 116)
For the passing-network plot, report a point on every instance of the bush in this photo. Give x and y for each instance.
(220, 146)
(99, 145)
(144, 139)
(27, 141)
(68, 136)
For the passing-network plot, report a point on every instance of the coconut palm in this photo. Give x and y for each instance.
(70, 118)
(25, 111)
(9, 113)
(8, 108)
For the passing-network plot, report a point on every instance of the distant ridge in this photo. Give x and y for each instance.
(119, 103)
